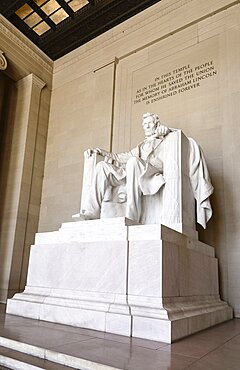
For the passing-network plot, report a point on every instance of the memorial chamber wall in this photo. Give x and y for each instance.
(179, 59)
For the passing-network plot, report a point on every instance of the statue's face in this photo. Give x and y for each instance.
(149, 126)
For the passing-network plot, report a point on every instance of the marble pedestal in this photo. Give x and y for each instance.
(145, 281)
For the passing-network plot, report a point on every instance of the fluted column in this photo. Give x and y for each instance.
(19, 172)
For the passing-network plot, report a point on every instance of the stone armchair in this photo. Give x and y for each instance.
(173, 205)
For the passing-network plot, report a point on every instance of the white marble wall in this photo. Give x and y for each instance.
(85, 114)
(91, 105)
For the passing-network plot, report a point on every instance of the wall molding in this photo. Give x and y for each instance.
(27, 46)
(31, 78)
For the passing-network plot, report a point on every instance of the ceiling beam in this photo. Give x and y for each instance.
(41, 13)
(79, 27)
(7, 8)
(67, 8)
(25, 29)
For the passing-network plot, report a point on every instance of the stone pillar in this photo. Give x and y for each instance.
(18, 169)
(3, 66)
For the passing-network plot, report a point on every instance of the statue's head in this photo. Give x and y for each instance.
(150, 123)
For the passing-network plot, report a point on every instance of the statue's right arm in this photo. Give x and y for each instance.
(118, 159)
(89, 152)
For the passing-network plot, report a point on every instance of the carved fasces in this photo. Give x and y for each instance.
(3, 61)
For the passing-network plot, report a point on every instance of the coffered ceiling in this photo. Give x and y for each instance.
(59, 26)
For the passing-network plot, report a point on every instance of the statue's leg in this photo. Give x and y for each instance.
(103, 177)
(134, 168)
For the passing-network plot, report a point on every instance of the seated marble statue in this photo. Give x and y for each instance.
(141, 172)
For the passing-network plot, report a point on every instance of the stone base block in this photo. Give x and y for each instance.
(87, 314)
(185, 324)
(164, 324)
(144, 281)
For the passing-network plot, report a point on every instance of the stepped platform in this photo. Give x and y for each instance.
(27, 344)
(143, 281)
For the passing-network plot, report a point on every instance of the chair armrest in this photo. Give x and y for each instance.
(88, 173)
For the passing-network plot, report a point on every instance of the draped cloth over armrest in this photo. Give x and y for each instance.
(201, 183)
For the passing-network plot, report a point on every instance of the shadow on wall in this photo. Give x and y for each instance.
(7, 200)
(215, 234)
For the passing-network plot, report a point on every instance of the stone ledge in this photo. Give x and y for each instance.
(21, 355)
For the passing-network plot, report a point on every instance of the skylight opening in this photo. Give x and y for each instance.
(59, 16)
(50, 7)
(41, 28)
(38, 14)
(24, 11)
(77, 4)
(32, 19)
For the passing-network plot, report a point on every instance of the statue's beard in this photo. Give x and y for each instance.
(153, 134)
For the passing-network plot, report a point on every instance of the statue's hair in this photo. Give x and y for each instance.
(155, 117)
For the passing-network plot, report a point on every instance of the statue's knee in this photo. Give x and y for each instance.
(133, 162)
(101, 166)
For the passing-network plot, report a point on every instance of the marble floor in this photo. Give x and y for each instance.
(217, 348)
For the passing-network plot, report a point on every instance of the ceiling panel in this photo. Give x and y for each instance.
(60, 26)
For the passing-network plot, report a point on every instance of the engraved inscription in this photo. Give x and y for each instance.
(177, 81)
